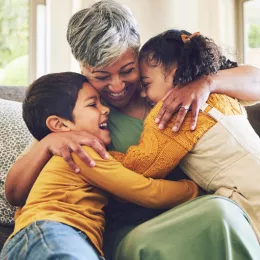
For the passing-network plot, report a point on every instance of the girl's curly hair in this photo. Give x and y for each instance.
(198, 56)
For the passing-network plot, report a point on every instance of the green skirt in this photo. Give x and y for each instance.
(206, 228)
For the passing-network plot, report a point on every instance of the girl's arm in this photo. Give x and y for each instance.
(159, 151)
(242, 82)
(26, 169)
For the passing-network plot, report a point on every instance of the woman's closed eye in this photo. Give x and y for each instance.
(102, 78)
(127, 71)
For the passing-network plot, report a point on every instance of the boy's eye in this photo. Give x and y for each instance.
(92, 105)
(128, 71)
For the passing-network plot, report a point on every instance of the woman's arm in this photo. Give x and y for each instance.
(242, 82)
(111, 176)
(26, 169)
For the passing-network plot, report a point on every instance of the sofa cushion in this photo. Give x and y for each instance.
(14, 137)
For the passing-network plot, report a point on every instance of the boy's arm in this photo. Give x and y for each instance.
(160, 151)
(113, 177)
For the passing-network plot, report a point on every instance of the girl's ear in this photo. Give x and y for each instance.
(58, 124)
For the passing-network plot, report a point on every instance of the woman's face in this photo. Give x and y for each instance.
(118, 82)
(155, 83)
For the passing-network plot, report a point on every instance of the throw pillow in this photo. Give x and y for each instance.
(14, 137)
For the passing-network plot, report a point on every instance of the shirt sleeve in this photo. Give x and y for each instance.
(160, 151)
(110, 175)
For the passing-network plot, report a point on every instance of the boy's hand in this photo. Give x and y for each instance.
(63, 144)
(182, 99)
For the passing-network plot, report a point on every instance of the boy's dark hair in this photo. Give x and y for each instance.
(52, 94)
(198, 56)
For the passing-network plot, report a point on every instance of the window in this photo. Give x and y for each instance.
(22, 41)
(252, 32)
(14, 42)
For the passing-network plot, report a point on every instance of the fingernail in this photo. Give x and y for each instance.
(157, 120)
(92, 164)
(175, 129)
(106, 156)
(193, 127)
(77, 170)
(160, 126)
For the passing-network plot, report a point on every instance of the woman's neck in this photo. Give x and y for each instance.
(137, 108)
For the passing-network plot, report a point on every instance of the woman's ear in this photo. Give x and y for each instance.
(58, 124)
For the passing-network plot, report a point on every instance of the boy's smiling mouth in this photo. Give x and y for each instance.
(103, 125)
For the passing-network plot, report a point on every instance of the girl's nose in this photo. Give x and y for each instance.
(143, 93)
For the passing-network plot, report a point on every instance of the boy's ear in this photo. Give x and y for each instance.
(58, 124)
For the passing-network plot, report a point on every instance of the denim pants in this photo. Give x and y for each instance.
(49, 240)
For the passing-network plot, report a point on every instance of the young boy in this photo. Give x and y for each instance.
(63, 216)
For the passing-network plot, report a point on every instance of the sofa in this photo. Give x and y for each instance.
(14, 137)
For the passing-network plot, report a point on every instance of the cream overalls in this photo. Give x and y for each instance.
(226, 161)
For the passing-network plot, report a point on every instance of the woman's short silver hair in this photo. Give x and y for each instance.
(100, 34)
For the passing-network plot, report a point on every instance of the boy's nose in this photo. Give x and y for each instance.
(105, 110)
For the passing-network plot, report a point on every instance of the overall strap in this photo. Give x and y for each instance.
(213, 112)
(243, 110)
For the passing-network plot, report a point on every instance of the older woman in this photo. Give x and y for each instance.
(105, 41)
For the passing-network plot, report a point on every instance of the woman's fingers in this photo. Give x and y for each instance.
(180, 118)
(63, 144)
(194, 115)
(168, 109)
(84, 157)
(66, 155)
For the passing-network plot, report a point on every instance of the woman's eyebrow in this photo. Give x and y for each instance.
(100, 71)
(130, 63)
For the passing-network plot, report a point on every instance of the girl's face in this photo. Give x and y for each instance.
(155, 83)
(118, 82)
(90, 115)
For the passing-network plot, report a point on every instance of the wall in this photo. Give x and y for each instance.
(214, 18)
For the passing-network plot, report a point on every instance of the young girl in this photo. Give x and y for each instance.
(222, 155)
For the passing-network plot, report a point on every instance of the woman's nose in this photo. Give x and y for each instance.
(116, 85)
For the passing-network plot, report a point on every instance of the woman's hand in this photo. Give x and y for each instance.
(63, 144)
(181, 99)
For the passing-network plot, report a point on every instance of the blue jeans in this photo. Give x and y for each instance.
(49, 240)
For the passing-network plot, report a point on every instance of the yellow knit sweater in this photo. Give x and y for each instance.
(159, 151)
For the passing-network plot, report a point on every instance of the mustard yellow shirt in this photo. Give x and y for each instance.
(78, 200)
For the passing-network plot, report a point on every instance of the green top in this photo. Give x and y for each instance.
(124, 130)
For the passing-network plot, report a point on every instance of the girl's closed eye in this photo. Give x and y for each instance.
(145, 84)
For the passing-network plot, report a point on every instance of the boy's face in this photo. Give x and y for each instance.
(155, 83)
(90, 115)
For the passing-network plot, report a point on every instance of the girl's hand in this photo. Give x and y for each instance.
(64, 143)
(181, 99)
